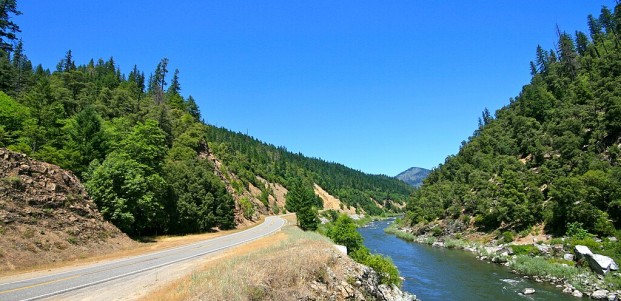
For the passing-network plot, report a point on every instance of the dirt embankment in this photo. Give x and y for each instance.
(46, 216)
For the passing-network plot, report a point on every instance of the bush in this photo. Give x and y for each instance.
(436, 231)
(525, 250)
(575, 230)
(385, 268)
(344, 232)
(507, 237)
(537, 266)
(247, 207)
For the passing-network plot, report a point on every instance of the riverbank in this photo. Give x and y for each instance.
(541, 262)
(293, 265)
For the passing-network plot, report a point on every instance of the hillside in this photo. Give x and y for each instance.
(551, 156)
(248, 158)
(149, 162)
(414, 176)
(47, 216)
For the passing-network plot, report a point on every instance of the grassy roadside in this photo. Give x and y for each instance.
(278, 267)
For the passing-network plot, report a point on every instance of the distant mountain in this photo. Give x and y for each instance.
(414, 176)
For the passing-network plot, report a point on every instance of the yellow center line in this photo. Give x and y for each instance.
(38, 284)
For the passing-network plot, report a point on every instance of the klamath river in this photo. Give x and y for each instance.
(434, 274)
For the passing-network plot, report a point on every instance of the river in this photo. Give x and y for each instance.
(434, 274)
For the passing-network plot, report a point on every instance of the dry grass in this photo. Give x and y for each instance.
(125, 250)
(276, 268)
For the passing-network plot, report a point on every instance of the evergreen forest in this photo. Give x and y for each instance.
(552, 156)
(139, 145)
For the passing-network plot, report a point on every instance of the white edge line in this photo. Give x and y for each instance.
(151, 268)
(103, 264)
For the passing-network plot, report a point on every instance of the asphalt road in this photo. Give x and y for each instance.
(111, 272)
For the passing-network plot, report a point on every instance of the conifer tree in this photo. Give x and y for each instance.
(8, 28)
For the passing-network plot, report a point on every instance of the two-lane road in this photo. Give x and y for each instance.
(67, 282)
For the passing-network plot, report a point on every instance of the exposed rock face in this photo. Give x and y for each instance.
(46, 215)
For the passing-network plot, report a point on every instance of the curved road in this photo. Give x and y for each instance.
(126, 269)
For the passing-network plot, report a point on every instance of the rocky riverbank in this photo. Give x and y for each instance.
(574, 270)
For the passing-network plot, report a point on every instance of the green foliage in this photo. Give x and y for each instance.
(308, 218)
(247, 207)
(530, 250)
(129, 195)
(385, 268)
(551, 156)
(247, 157)
(538, 266)
(202, 201)
(343, 232)
(303, 201)
(507, 237)
(576, 231)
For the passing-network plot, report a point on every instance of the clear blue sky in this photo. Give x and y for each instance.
(379, 86)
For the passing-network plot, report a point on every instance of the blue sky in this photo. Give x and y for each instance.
(379, 86)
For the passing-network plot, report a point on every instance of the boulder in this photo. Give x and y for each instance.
(543, 248)
(577, 294)
(568, 257)
(528, 291)
(581, 251)
(342, 249)
(601, 264)
(600, 295)
(438, 244)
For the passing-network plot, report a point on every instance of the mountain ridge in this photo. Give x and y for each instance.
(414, 176)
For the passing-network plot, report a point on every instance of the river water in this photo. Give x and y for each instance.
(434, 274)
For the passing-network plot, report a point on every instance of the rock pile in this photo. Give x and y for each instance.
(361, 283)
(46, 215)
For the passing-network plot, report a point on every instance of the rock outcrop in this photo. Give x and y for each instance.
(361, 283)
(599, 263)
(46, 215)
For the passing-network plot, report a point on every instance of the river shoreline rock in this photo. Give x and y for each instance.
(502, 254)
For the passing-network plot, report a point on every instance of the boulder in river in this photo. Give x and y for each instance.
(600, 295)
(528, 291)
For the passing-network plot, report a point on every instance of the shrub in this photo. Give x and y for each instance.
(247, 207)
(436, 231)
(507, 237)
(344, 232)
(525, 250)
(538, 266)
(575, 230)
(385, 268)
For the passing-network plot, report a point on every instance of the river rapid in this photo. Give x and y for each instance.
(434, 274)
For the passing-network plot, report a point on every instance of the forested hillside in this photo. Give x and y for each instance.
(141, 148)
(552, 155)
(248, 158)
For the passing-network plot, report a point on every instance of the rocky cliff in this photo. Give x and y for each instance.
(47, 216)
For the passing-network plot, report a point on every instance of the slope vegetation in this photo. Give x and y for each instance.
(146, 158)
(552, 155)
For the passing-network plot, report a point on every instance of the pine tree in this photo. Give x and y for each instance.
(8, 28)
